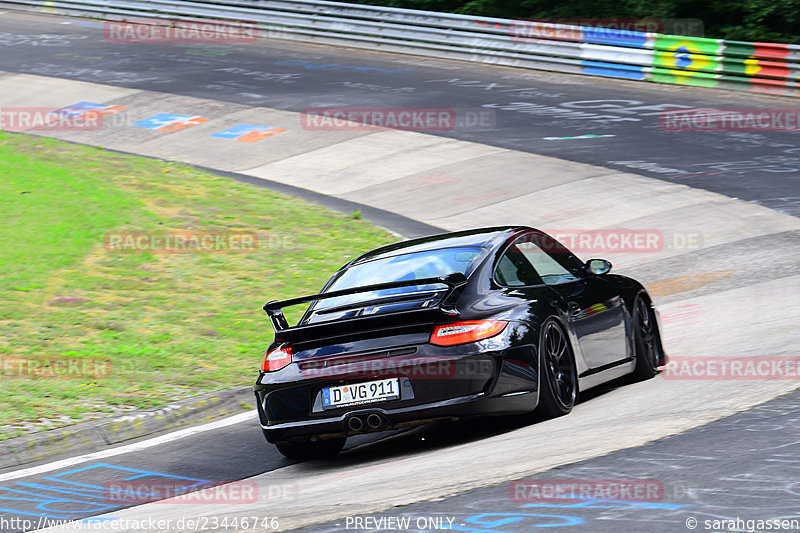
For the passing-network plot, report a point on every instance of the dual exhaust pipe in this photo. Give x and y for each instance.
(362, 423)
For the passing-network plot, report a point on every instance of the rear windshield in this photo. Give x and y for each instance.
(417, 265)
(403, 267)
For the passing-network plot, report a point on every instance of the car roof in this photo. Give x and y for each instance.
(481, 237)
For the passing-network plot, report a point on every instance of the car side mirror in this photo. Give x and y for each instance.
(598, 267)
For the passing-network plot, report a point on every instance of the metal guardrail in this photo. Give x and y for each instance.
(758, 67)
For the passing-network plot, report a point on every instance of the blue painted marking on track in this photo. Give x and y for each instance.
(599, 68)
(54, 501)
(603, 503)
(242, 130)
(503, 519)
(160, 120)
(490, 522)
(86, 490)
(44, 501)
(126, 469)
(80, 108)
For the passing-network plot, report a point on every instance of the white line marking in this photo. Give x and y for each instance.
(128, 448)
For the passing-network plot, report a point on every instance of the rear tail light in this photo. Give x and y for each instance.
(277, 359)
(468, 331)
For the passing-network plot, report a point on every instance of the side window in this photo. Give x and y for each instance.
(526, 263)
(551, 262)
(514, 269)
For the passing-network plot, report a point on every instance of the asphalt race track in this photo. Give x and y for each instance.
(740, 466)
(85, 487)
(729, 469)
(511, 108)
(732, 468)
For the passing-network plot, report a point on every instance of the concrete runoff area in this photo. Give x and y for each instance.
(747, 317)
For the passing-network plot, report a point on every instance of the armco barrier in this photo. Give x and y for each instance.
(757, 67)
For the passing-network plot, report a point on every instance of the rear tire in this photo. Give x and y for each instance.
(321, 449)
(646, 340)
(558, 382)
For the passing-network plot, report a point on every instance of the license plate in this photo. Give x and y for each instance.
(358, 393)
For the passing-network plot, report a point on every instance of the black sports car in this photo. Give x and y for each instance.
(489, 321)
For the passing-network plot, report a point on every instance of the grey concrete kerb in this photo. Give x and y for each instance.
(97, 434)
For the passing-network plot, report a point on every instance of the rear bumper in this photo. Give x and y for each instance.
(486, 381)
(452, 409)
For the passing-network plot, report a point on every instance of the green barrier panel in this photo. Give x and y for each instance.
(683, 77)
(722, 81)
(763, 51)
(697, 61)
(686, 60)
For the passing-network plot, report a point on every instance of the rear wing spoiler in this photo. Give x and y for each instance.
(274, 308)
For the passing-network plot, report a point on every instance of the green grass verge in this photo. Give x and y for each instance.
(87, 332)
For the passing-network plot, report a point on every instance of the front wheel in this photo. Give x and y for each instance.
(558, 382)
(321, 449)
(646, 339)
